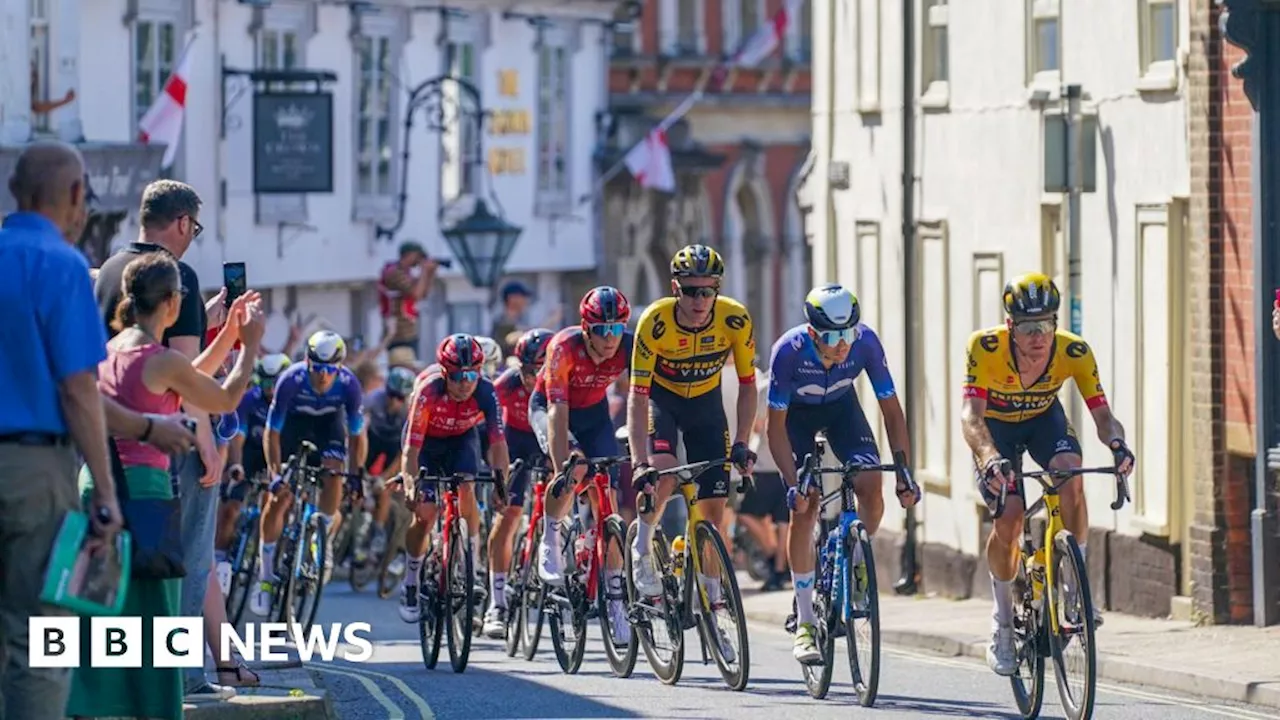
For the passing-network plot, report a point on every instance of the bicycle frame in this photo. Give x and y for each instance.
(537, 512)
(596, 480)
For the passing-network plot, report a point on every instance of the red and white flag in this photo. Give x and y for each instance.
(650, 162)
(765, 40)
(163, 122)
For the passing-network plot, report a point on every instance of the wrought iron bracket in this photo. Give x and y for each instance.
(266, 80)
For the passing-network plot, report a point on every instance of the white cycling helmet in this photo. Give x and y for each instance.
(326, 346)
(269, 367)
(492, 355)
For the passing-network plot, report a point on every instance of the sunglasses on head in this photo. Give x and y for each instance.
(324, 368)
(1035, 327)
(608, 329)
(464, 375)
(833, 337)
(700, 293)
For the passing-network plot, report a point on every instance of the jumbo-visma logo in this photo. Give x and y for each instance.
(179, 642)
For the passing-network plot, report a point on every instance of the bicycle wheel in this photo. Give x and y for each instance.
(862, 612)
(721, 617)
(244, 569)
(1073, 606)
(395, 561)
(515, 596)
(430, 609)
(460, 601)
(533, 602)
(309, 565)
(826, 624)
(1029, 641)
(621, 659)
(364, 571)
(567, 620)
(668, 639)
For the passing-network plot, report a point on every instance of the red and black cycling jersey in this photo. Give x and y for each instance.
(513, 398)
(433, 414)
(570, 375)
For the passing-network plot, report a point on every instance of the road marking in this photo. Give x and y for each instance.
(418, 701)
(393, 711)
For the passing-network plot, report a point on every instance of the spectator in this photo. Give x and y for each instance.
(764, 511)
(143, 375)
(169, 215)
(508, 326)
(1275, 319)
(403, 284)
(53, 343)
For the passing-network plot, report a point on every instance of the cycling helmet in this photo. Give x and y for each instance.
(400, 382)
(1031, 294)
(697, 261)
(492, 354)
(326, 346)
(831, 307)
(604, 304)
(460, 351)
(531, 348)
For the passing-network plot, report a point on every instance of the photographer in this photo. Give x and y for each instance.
(402, 285)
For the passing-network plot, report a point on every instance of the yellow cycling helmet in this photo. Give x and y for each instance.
(1031, 294)
(697, 261)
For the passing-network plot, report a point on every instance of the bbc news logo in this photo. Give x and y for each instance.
(178, 642)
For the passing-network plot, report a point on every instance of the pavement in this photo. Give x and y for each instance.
(930, 668)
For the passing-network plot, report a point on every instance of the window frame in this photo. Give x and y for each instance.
(1036, 10)
(733, 34)
(156, 13)
(282, 18)
(389, 27)
(554, 196)
(935, 93)
(1157, 74)
(44, 81)
(799, 44)
(673, 36)
(461, 31)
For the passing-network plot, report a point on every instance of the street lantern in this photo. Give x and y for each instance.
(482, 242)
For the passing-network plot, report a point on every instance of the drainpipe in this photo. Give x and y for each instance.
(906, 584)
(828, 208)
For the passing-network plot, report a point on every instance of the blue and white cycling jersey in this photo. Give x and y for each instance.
(796, 374)
(295, 396)
(252, 413)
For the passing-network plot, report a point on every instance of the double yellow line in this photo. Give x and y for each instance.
(393, 710)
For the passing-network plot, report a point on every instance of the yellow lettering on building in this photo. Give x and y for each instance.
(509, 122)
(508, 83)
(506, 161)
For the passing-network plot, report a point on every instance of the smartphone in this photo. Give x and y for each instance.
(234, 280)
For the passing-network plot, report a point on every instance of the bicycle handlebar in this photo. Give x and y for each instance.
(688, 473)
(810, 470)
(1047, 479)
(593, 465)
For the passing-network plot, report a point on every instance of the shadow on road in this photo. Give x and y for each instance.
(940, 707)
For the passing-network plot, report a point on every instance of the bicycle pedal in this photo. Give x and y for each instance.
(816, 662)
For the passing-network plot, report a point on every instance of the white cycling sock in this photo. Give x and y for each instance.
(1002, 597)
(803, 583)
(551, 535)
(712, 586)
(266, 561)
(497, 585)
(411, 572)
(613, 582)
(644, 539)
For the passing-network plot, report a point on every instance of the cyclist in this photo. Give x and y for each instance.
(1011, 406)
(569, 411)
(681, 344)
(492, 357)
(449, 404)
(245, 460)
(812, 369)
(513, 388)
(317, 400)
(385, 412)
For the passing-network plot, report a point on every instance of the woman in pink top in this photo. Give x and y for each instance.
(143, 375)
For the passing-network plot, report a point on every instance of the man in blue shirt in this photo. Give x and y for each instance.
(53, 341)
(811, 374)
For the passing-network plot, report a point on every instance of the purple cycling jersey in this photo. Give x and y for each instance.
(796, 373)
(295, 395)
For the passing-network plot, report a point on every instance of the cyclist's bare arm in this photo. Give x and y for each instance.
(638, 426)
(1109, 427)
(500, 457)
(973, 425)
(558, 433)
(895, 424)
(748, 400)
(357, 449)
(271, 449)
(235, 451)
(780, 445)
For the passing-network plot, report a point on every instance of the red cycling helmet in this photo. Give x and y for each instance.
(604, 304)
(531, 349)
(460, 352)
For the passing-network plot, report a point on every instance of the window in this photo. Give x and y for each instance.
(374, 120)
(1044, 43)
(41, 89)
(935, 70)
(749, 18)
(1158, 44)
(554, 58)
(155, 50)
(689, 37)
(741, 22)
(800, 34)
(932, 444)
(280, 40)
(624, 38)
(460, 140)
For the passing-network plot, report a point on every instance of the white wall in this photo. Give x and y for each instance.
(979, 174)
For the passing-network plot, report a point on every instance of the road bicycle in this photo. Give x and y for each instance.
(524, 588)
(351, 544)
(244, 553)
(447, 578)
(590, 542)
(1049, 629)
(845, 591)
(300, 558)
(676, 610)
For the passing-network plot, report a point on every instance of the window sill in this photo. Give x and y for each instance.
(376, 208)
(937, 96)
(1161, 77)
(1045, 87)
(552, 204)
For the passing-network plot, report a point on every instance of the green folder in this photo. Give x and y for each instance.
(81, 583)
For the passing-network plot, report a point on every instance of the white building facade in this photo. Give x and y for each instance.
(540, 73)
(986, 75)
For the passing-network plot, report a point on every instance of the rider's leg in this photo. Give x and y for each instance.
(1054, 445)
(1002, 562)
(664, 433)
(800, 553)
(331, 491)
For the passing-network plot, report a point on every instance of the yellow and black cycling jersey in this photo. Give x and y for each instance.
(688, 362)
(992, 373)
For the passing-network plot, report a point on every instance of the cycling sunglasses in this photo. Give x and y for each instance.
(700, 293)
(608, 329)
(1035, 327)
(464, 375)
(324, 368)
(833, 337)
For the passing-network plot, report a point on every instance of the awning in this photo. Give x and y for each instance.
(118, 173)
